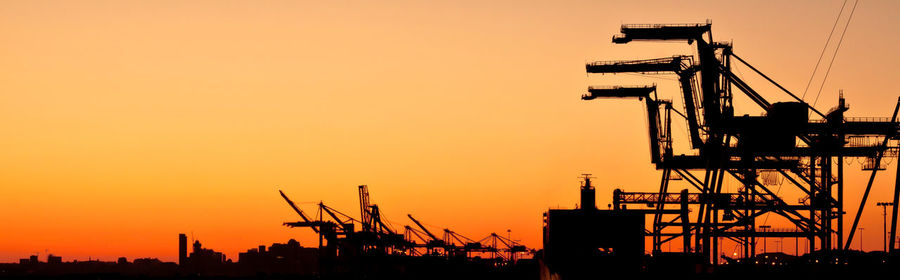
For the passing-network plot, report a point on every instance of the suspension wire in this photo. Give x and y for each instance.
(836, 49)
(827, 41)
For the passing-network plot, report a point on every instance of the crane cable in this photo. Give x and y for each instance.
(841, 40)
(827, 41)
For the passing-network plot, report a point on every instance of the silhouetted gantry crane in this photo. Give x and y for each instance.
(432, 242)
(337, 234)
(339, 237)
(742, 147)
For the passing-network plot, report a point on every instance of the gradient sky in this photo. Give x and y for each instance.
(125, 123)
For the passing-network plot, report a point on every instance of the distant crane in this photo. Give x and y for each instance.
(434, 241)
(338, 235)
(364, 215)
(422, 227)
(299, 212)
(326, 230)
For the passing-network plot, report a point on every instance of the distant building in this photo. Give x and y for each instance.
(182, 249)
(205, 261)
(289, 258)
(33, 259)
(54, 259)
(205, 256)
(148, 261)
(55, 268)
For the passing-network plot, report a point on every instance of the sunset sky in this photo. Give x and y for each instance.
(125, 123)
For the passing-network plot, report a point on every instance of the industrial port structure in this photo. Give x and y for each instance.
(792, 142)
(784, 142)
(344, 239)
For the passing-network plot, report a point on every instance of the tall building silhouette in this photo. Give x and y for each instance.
(182, 249)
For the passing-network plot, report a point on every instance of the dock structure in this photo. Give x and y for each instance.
(802, 146)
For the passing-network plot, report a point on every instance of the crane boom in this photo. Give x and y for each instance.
(328, 211)
(299, 212)
(364, 215)
(422, 227)
(414, 232)
(658, 134)
(682, 65)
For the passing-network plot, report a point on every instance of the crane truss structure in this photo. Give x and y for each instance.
(343, 236)
(743, 147)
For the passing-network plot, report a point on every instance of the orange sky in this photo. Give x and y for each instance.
(126, 123)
